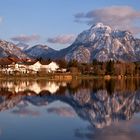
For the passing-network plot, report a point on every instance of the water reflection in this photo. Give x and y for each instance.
(35, 86)
(62, 111)
(123, 131)
(100, 103)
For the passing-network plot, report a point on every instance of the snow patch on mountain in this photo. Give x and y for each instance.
(40, 51)
(81, 54)
(103, 43)
(8, 49)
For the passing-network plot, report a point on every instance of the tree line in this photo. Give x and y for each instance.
(102, 68)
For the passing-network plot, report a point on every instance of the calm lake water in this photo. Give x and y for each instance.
(76, 110)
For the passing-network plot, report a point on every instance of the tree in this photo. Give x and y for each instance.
(120, 68)
(94, 62)
(130, 69)
(73, 63)
(110, 86)
(110, 67)
(62, 63)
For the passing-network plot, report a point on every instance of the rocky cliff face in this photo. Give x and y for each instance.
(40, 51)
(102, 43)
(8, 49)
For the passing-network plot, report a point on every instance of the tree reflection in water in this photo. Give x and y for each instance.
(99, 102)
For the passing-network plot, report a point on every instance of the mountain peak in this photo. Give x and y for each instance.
(96, 31)
(100, 26)
(102, 43)
(40, 51)
(22, 46)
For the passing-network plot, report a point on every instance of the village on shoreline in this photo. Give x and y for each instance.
(63, 70)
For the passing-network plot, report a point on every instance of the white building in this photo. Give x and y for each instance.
(34, 67)
(52, 67)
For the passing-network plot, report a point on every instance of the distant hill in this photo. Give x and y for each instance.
(40, 51)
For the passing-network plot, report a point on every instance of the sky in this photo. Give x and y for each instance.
(56, 23)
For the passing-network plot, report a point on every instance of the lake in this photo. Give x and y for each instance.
(75, 110)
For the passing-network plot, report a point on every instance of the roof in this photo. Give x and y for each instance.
(5, 61)
(45, 62)
(29, 63)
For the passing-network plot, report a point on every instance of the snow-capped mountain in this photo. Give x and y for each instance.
(40, 51)
(8, 49)
(22, 46)
(102, 43)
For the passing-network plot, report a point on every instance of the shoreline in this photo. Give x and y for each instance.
(64, 77)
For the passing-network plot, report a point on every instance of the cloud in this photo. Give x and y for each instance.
(62, 39)
(25, 38)
(62, 111)
(119, 17)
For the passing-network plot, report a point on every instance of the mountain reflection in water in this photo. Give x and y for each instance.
(98, 102)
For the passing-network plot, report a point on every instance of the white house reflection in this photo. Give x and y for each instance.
(37, 87)
(92, 104)
(95, 110)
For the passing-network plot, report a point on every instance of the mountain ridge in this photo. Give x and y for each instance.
(8, 49)
(40, 51)
(100, 42)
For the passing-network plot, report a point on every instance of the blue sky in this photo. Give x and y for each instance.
(45, 20)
